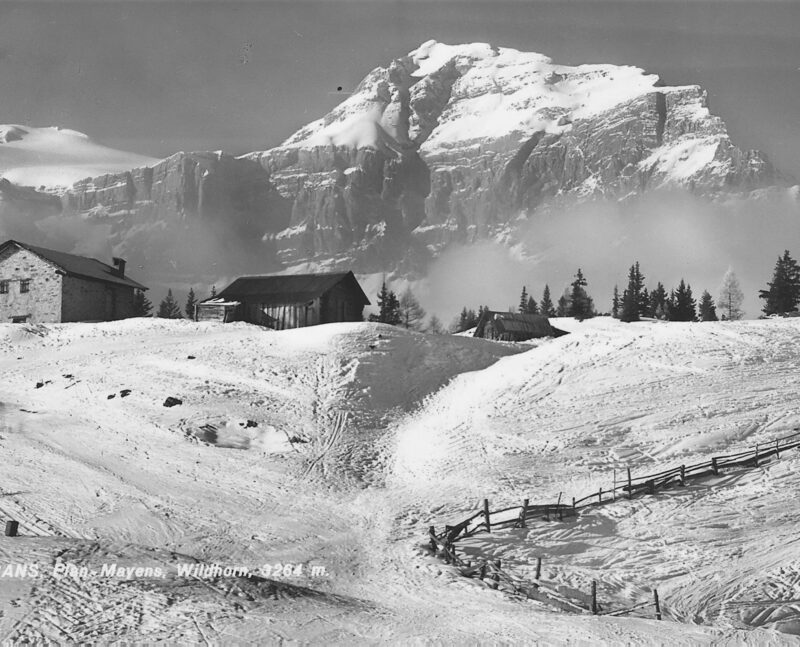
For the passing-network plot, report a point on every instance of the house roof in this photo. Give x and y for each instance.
(78, 266)
(290, 288)
(516, 323)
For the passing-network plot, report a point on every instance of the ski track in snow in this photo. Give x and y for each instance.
(363, 436)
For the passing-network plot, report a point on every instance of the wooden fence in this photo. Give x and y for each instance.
(485, 520)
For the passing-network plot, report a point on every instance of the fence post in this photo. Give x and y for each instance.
(486, 515)
(573, 503)
(714, 466)
(600, 495)
(777, 448)
(432, 533)
(630, 487)
(11, 528)
(594, 597)
(483, 570)
(523, 514)
(614, 489)
(496, 576)
(538, 571)
(651, 486)
(683, 474)
(756, 455)
(657, 605)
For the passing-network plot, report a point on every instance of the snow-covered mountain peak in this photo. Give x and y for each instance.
(442, 96)
(53, 156)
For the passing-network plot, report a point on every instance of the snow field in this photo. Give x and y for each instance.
(363, 436)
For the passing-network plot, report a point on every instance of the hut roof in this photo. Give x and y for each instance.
(290, 288)
(79, 266)
(516, 323)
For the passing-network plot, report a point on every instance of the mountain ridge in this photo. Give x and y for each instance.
(449, 144)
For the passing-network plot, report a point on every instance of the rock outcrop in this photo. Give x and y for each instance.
(451, 144)
(447, 144)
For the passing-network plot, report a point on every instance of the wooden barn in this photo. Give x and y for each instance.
(514, 326)
(287, 301)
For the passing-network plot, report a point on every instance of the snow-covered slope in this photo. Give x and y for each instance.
(339, 445)
(57, 157)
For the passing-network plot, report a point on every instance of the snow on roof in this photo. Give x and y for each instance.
(290, 288)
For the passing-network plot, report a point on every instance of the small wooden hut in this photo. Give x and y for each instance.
(288, 301)
(514, 326)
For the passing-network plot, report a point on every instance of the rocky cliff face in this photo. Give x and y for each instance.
(447, 144)
(453, 143)
(184, 210)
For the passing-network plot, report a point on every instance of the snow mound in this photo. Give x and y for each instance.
(55, 157)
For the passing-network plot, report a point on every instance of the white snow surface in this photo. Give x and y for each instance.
(500, 92)
(56, 157)
(339, 445)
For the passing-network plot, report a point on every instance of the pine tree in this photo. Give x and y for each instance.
(412, 315)
(533, 308)
(141, 304)
(191, 302)
(730, 296)
(783, 294)
(658, 302)
(708, 311)
(393, 316)
(523, 301)
(682, 304)
(635, 300)
(581, 305)
(169, 308)
(564, 305)
(615, 303)
(388, 307)
(546, 304)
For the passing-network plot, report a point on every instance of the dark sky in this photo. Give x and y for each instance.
(156, 77)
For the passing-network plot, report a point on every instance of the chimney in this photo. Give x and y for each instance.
(119, 265)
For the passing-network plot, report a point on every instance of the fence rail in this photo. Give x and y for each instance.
(491, 571)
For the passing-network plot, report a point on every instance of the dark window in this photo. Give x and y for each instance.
(3, 287)
(22, 319)
(25, 285)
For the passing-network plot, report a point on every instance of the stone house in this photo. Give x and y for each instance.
(40, 285)
(288, 301)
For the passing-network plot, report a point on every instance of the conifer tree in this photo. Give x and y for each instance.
(635, 300)
(191, 302)
(412, 315)
(682, 306)
(141, 304)
(523, 301)
(533, 308)
(615, 303)
(730, 296)
(783, 294)
(169, 308)
(708, 311)
(564, 305)
(658, 302)
(581, 305)
(546, 304)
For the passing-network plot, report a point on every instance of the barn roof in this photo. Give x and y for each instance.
(516, 323)
(290, 288)
(78, 266)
